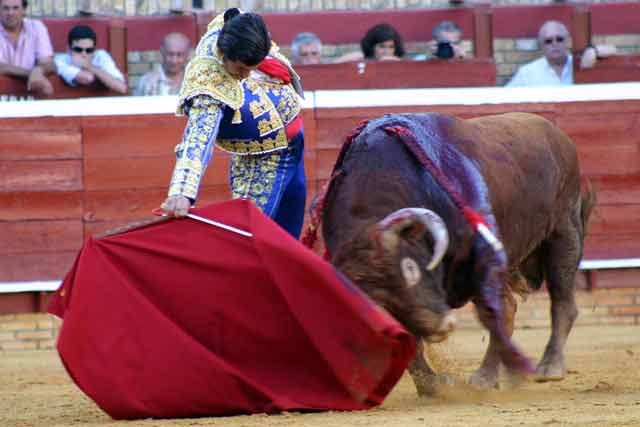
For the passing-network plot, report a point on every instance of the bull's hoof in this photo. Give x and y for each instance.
(550, 372)
(484, 379)
(431, 385)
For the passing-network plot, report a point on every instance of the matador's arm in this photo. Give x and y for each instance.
(194, 151)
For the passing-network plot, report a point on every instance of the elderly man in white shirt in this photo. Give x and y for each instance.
(84, 65)
(556, 66)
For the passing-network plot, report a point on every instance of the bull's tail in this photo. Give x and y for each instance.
(587, 203)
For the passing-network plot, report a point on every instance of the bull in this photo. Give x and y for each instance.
(426, 212)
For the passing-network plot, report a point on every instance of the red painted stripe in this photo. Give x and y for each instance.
(337, 27)
(59, 29)
(147, 32)
(615, 18)
(525, 21)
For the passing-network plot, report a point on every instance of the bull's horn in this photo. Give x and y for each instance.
(419, 220)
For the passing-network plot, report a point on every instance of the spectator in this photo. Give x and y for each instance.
(306, 49)
(446, 43)
(166, 78)
(25, 47)
(556, 66)
(381, 43)
(86, 66)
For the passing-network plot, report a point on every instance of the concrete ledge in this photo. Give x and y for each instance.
(605, 264)
(327, 99)
(38, 286)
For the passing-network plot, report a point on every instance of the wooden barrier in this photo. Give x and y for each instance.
(59, 29)
(399, 74)
(147, 32)
(85, 166)
(623, 68)
(15, 89)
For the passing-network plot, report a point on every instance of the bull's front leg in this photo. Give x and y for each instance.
(426, 380)
(496, 309)
(487, 376)
(421, 373)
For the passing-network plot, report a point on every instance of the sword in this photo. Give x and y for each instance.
(220, 225)
(161, 213)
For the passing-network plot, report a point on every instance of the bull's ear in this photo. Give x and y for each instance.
(389, 241)
(390, 238)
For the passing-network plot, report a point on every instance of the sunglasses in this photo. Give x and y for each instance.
(558, 39)
(78, 49)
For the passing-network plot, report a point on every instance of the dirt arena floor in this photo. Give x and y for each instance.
(602, 389)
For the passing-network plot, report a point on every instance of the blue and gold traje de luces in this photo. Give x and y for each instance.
(268, 108)
(255, 110)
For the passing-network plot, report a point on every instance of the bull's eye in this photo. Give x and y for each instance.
(410, 271)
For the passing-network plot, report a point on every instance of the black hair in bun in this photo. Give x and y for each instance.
(244, 37)
(231, 13)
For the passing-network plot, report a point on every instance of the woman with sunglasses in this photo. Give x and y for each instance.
(241, 95)
(85, 65)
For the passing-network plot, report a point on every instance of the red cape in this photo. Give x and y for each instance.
(182, 319)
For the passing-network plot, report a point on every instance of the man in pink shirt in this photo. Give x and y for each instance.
(25, 47)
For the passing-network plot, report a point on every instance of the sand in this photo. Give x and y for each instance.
(601, 389)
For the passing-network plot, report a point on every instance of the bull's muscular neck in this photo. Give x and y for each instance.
(377, 180)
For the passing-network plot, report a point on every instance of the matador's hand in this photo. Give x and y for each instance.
(177, 206)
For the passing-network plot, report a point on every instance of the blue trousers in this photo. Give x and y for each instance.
(275, 182)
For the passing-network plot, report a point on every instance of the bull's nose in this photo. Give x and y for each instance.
(448, 324)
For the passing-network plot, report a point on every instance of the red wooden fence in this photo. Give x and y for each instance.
(67, 178)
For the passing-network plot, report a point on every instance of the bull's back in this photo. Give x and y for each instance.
(520, 137)
(532, 172)
(527, 163)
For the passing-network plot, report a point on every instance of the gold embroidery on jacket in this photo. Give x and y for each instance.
(266, 126)
(263, 104)
(206, 76)
(243, 147)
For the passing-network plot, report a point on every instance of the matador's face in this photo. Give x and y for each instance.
(237, 69)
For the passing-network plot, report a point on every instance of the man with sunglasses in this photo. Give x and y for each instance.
(85, 65)
(556, 66)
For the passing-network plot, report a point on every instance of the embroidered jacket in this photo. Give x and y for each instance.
(242, 117)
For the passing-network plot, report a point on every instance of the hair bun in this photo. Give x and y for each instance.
(231, 13)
